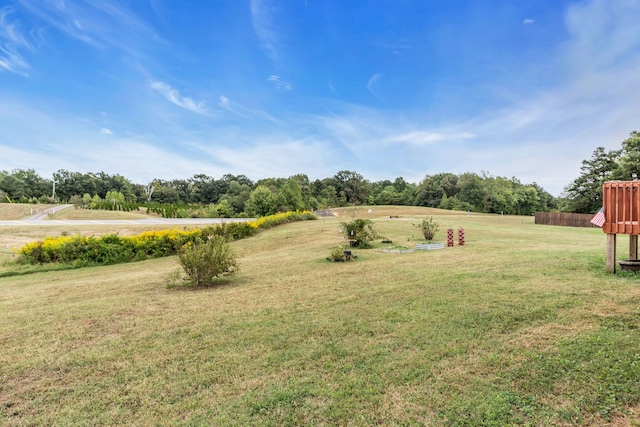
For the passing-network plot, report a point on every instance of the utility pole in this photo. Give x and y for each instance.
(53, 194)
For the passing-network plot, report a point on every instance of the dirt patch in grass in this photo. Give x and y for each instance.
(630, 417)
(545, 337)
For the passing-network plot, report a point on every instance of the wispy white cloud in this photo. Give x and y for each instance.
(279, 83)
(173, 96)
(272, 157)
(528, 21)
(263, 15)
(12, 40)
(398, 47)
(231, 106)
(424, 138)
(603, 34)
(332, 89)
(540, 135)
(64, 141)
(100, 24)
(372, 84)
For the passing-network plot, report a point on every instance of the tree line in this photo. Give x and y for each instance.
(236, 195)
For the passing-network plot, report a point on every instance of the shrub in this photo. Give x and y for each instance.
(339, 254)
(428, 227)
(206, 261)
(360, 232)
(111, 249)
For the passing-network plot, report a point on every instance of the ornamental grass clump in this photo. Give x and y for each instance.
(205, 262)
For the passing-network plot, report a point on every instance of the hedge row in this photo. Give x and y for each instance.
(112, 249)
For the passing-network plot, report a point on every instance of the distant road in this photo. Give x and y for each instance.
(149, 221)
(43, 214)
(36, 220)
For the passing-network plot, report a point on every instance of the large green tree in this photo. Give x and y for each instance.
(352, 186)
(629, 159)
(584, 194)
(262, 201)
(433, 187)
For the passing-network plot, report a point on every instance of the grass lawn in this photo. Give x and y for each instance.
(72, 213)
(13, 211)
(520, 326)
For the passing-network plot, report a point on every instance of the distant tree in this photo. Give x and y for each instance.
(148, 190)
(14, 188)
(183, 188)
(327, 197)
(261, 202)
(240, 179)
(352, 186)
(76, 200)
(115, 198)
(291, 196)
(35, 185)
(165, 193)
(95, 201)
(224, 209)
(388, 196)
(629, 159)
(432, 188)
(305, 190)
(71, 183)
(584, 194)
(546, 202)
(499, 196)
(470, 191)
(237, 195)
(205, 189)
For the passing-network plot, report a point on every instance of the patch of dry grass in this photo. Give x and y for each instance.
(13, 211)
(78, 214)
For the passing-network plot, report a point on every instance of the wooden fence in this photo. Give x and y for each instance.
(564, 219)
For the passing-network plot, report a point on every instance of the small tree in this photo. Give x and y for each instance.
(429, 228)
(206, 261)
(359, 232)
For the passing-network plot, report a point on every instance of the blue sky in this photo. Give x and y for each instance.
(168, 89)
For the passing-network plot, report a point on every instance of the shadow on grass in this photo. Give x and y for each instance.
(177, 282)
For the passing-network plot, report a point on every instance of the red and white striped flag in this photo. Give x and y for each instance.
(598, 218)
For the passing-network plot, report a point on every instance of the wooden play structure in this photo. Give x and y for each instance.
(621, 204)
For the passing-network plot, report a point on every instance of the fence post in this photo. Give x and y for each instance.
(611, 252)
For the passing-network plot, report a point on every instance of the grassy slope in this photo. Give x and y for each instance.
(12, 211)
(71, 214)
(521, 325)
(15, 211)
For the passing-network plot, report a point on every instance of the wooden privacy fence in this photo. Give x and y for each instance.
(565, 219)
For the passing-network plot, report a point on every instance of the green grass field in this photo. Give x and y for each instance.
(521, 326)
